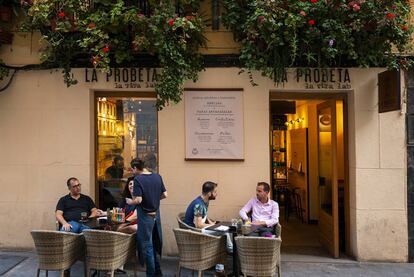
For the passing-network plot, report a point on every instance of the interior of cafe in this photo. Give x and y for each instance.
(126, 128)
(309, 172)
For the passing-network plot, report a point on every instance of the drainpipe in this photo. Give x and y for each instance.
(215, 12)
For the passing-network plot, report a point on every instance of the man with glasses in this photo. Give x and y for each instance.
(70, 208)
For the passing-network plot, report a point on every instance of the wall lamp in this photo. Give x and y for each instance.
(294, 121)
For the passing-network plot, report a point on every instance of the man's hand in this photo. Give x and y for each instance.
(66, 227)
(100, 212)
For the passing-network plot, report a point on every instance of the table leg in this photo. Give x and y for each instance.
(236, 271)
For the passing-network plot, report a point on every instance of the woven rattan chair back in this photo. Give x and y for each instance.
(278, 230)
(183, 225)
(106, 250)
(199, 251)
(259, 256)
(57, 251)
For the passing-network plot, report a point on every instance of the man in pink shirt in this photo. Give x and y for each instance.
(264, 211)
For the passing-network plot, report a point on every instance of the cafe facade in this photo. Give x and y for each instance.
(50, 133)
(335, 138)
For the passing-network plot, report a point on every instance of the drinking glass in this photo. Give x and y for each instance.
(234, 221)
(84, 216)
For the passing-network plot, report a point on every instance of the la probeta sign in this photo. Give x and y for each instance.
(134, 77)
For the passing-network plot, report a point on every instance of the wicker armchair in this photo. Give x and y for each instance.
(106, 250)
(199, 251)
(278, 230)
(183, 225)
(259, 256)
(57, 251)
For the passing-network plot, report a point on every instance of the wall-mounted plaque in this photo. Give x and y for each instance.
(214, 124)
(389, 93)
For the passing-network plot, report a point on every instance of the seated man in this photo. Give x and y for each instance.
(70, 207)
(264, 211)
(116, 170)
(196, 213)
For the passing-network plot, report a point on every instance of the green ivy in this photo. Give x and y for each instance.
(113, 33)
(277, 34)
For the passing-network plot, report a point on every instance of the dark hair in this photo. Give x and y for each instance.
(265, 185)
(150, 161)
(126, 193)
(137, 163)
(70, 180)
(209, 187)
(118, 158)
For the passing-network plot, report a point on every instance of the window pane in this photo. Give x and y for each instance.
(126, 129)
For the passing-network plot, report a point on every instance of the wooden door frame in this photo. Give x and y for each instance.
(343, 95)
(331, 104)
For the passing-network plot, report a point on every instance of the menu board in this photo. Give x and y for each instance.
(214, 124)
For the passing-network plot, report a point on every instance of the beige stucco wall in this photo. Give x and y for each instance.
(47, 136)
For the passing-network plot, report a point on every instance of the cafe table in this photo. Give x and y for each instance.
(101, 223)
(234, 231)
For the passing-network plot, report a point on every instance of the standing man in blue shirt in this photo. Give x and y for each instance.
(148, 191)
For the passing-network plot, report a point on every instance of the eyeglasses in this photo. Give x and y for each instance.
(77, 186)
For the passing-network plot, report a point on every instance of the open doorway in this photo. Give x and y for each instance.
(310, 171)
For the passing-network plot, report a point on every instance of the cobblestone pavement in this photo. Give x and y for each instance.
(292, 265)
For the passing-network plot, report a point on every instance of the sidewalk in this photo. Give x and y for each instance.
(16, 264)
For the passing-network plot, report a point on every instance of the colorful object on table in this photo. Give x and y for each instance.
(118, 215)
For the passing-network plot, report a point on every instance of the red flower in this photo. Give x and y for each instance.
(261, 18)
(393, 7)
(390, 15)
(314, 1)
(311, 22)
(105, 49)
(403, 62)
(61, 14)
(356, 7)
(404, 27)
(189, 17)
(91, 25)
(303, 13)
(171, 22)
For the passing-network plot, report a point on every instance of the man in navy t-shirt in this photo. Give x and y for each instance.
(196, 214)
(148, 191)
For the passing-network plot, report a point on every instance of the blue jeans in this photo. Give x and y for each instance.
(146, 227)
(151, 258)
(76, 227)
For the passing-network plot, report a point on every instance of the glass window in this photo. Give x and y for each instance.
(126, 129)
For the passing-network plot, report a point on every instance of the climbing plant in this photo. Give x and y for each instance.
(115, 32)
(277, 34)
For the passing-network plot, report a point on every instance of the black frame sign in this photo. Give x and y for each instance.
(389, 91)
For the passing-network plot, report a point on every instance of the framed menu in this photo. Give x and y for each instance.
(214, 124)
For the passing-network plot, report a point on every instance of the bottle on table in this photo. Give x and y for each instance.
(108, 215)
(220, 271)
